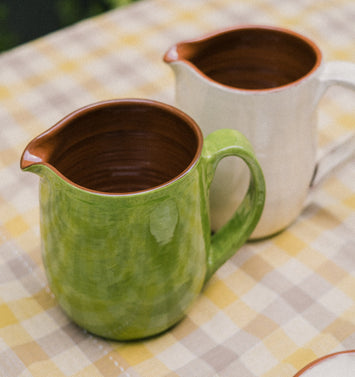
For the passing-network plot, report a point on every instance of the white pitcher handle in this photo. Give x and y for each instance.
(339, 73)
(343, 150)
(333, 158)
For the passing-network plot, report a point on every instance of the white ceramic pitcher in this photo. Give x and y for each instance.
(265, 82)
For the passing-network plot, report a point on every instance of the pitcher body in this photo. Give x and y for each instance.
(119, 280)
(265, 82)
(282, 128)
(125, 230)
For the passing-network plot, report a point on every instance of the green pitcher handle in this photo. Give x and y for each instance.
(224, 244)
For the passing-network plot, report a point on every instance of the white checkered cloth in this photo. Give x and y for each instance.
(272, 308)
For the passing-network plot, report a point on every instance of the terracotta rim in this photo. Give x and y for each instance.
(172, 55)
(28, 159)
(321, 359)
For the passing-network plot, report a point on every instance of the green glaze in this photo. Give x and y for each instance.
(130, 266)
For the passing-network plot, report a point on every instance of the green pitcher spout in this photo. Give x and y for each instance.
(39, 156)
(35, 157)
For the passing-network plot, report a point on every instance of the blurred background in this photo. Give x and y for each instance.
(24, 20)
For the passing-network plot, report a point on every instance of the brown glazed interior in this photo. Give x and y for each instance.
(119, 146)
(253, 58)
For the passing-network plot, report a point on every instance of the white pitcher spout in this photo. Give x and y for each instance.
(183, 51)
(171, 55)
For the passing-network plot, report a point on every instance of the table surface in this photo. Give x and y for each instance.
(273, 307)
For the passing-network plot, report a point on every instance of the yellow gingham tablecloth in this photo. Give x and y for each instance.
(271, 309)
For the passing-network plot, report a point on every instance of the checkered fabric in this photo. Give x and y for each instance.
(273, 307)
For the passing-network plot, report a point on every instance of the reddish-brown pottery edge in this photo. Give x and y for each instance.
(43, 144)
(187, 47)
(319, 360)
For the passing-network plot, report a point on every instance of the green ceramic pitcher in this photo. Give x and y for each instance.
(125, 229)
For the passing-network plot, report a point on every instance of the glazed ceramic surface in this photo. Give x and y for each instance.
(340, 364)
(124, 213)
(267, 83)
